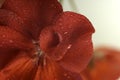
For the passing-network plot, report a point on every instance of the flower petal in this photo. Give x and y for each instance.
(10, 39)
(36, 13)
(51, 71)
(72, 33)
(6, 57)
(10, 43)
(8, 18)
(2, 76)
(22, 68)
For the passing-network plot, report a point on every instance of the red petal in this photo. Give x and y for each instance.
(8, 18)
(36, 13)
(10, 39)
(21, 68)
(10, 43)
(74, 46)
(2, 76)
(6, 57)
(51, 71)
(24, 68)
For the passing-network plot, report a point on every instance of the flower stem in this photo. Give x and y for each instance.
(73, 5)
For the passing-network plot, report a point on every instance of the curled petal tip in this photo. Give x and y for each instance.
(74, 35)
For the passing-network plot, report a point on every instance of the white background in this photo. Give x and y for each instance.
(105, 17)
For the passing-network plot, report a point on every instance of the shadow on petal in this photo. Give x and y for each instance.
(52, 71)
(22, 68)
(74, 35)
(36, 14)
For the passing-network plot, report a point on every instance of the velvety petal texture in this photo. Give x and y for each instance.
(25, 68)
(21, 68)
(2, 76)
(36, 13)
(38, 41)
(71, 44)
(11, 45)
(12, 20)
(12, 40)
(54, 72)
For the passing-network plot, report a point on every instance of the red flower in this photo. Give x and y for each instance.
(105, 65)
(38, 41)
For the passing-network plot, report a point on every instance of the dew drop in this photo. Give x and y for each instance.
(68, 77)
(71, 15)
(3, 36)
(52, 5)
(11, 41)
(65, 32)
(60, 19)
(1, 45)
(69, 46)
(45, 62)
(65, 74)
(74, 21)
(60, 24)
(3, 42)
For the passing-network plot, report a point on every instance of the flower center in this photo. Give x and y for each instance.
(37, 47)
(39, 53)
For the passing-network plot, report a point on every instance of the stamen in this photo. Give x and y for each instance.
(37, 47)
(38, 53)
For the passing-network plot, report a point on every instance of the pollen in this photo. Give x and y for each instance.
(39, 54)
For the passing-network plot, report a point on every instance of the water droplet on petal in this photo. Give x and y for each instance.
(69, 46)
(60, 24)
(60, 19)
(11, 41)
(3, 42)
(1, 45)
(68, 77)
(71, 15)
(52, 5)
(3, 36)
(65, 32)
(65, 74)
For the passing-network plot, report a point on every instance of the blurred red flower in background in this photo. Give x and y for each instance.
(104, 66)
(38, 41)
